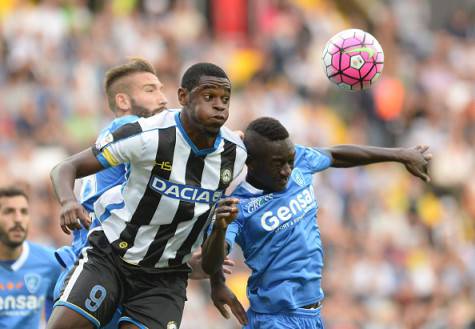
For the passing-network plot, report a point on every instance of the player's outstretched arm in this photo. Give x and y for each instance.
(214, 248)
(222, 295)
(62, 176)
(415, 159)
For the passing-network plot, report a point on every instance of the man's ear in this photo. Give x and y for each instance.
(122, 102)
(183, 96)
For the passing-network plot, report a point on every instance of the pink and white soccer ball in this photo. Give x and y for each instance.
(353, 59)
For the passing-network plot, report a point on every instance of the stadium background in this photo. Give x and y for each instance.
(399, 254)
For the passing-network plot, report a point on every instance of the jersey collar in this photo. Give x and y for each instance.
(194, 148)
(23, 257)
(251, 189)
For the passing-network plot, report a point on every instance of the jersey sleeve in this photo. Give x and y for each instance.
(234, 230)
(124, 145)
(314, 159)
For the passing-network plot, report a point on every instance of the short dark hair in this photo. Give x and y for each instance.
(192, 75)
(269, 128)
(10, 192)
(133, 65)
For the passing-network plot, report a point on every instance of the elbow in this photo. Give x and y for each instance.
(55, 171)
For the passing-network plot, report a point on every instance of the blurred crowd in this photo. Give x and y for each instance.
(399, 253)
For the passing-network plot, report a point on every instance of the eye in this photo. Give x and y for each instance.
(225, 99)
(207, 97)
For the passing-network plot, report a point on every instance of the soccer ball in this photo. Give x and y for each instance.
(353, 59)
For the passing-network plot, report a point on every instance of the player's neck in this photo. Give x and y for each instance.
(10, 253)
(251, 179)
(202, 138)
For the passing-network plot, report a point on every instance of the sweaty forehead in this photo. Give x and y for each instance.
(213, 82)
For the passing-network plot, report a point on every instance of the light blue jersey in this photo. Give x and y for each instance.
(93, 187)
(26, 287)
(280, 238)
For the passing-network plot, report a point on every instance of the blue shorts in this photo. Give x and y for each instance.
(300, 318)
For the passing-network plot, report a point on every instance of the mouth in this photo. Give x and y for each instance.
(219, 118)
(160, 109)
(283, 181)
(17, 232)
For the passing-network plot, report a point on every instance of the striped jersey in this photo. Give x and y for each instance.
(157, 217)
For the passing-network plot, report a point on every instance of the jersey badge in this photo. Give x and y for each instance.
(226, 175)
(298, 177)
(32, 282)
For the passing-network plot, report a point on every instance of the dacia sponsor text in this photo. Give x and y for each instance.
(184, 192)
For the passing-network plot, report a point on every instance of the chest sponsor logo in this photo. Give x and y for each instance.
(20, 305)
(295, 207)
(184, 192)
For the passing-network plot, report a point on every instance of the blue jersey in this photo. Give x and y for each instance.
(280, 238)
(92, 188)
(26, 287)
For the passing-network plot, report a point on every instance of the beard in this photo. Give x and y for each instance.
(10, 243)
(143, 112)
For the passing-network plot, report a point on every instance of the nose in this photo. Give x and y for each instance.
(286, 170)
(162, 99)
(219, 105)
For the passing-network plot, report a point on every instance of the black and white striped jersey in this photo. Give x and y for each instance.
(157, 218)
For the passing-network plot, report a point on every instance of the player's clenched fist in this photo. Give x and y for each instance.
(226, 211)
(73, 215)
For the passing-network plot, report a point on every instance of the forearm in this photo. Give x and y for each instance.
(65, 173)
(217, 278)
(214, 251)
(358, 155)
(62, 177)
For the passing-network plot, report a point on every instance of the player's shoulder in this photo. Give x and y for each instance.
(302, 151)
(232, 136)
(165, 119)
(41, 253)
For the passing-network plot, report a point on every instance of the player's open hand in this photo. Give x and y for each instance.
(417, 160)
(222, 296)
(226, 211)
(197, 272)
(73, 215)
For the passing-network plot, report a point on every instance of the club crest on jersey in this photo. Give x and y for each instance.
(226, 175)
(32, 282)
(104, 141)
(184, 192)
(298, 177)
(172, 325)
